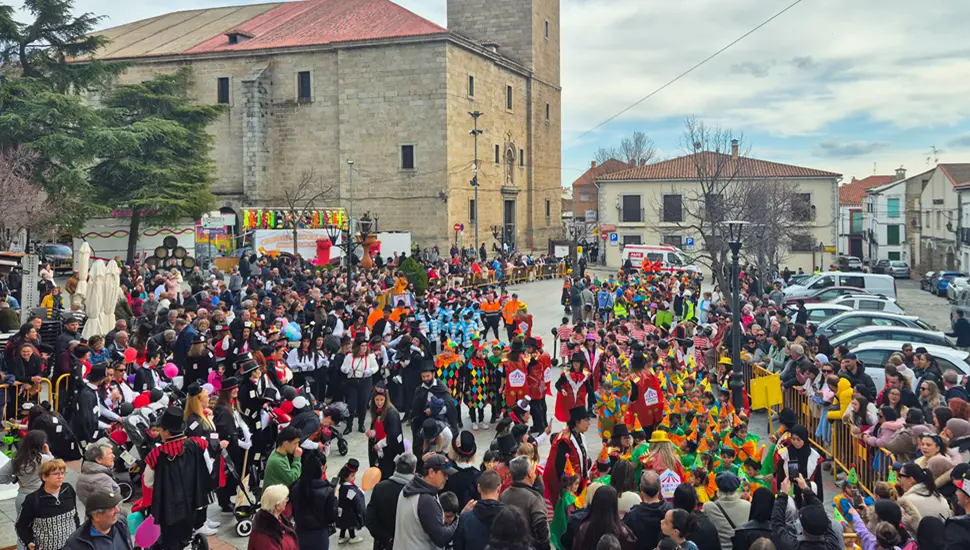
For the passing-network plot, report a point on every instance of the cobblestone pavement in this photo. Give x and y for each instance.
(930, 308)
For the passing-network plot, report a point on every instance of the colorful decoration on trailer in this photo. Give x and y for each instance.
(281, 219)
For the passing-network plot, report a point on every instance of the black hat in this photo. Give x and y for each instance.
(787, 417)
(81, 350)
(428, 367)
(464, 444)
(199, 339)
(620, 430)
(360, 338)
(173, 420)
(663, 344)
(229, 383)
(194, 389)
(506, 443)
(71, 319)
(518, 430)
(531, 342)
(577, 358)
(579, 413)
(270, 394)
(97, 373)
(430, 429)
(247, 365)
(814, 520)
(638, 361)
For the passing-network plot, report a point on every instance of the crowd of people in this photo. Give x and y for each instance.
(256, 377)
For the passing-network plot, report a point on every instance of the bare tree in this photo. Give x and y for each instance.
(774, 223)
(24, 205)
(302, 199)
(632, 150)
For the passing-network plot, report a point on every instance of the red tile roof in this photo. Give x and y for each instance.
(687, 168)
(611, 165)
(851, 194)
(317, 22)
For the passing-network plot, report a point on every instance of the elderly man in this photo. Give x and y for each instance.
(644, 518)
(524, 496)
(952, 388)
(183, 342)
(797, 360)
(96, 472)
(729, 510)
(105, 528)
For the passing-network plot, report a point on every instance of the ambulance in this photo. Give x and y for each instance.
(667, 258)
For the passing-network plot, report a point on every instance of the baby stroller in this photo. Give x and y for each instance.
(248, 495)
(341, 416)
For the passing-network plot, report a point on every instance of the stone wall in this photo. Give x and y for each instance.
(508, 23)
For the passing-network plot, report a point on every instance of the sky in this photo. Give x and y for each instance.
(856, 88)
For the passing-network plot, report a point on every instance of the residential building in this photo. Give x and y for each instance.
(963, 233)
(312, 85)
(851, 229)
(939, 217)
(885, 220)
(585, 192)
(566, 199)
(647, 203)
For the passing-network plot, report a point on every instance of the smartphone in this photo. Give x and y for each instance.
(792, 472)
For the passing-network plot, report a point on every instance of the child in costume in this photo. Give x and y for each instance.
(571, 387)
(567, 504)
(474, 383)
(613, 399)
(447, 365)
(496, 378)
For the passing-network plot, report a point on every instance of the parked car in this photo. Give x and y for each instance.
(902, 335)
(850, 263)
(943, 280)
(851, 320)
(869, 302)
(799, 279)
(60, 256)
(956, 288)
(824, 295)
(870, 282)
(875, 355)
(819, 312)
(893, 268)
(926, 283)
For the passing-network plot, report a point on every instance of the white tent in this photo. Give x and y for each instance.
(83, 269)
(94, 301)
(111, 293)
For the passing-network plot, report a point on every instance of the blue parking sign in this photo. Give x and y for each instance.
(614, 238)
(689, 241)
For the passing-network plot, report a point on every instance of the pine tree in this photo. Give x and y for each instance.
(155, 158)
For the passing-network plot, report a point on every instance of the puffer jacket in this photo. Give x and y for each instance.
(95, 477)
(902, 444)
(844, 396)
(928, 505)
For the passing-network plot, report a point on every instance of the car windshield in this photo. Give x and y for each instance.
(59, 249)
(923, 325)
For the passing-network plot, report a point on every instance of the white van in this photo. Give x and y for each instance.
(670, 256)
(883, 285)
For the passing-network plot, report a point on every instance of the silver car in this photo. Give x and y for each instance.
(898, 269)
(957, 288)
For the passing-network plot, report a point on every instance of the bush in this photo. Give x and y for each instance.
(416, 275)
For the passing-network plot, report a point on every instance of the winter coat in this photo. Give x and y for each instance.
(844, 396)
(419, 520)
(957, 532)
(82, 540)
(47, 520)
(785, 540)
(464, 483)
(705, 537)
(748, 532)
(644, 520)
(350, 507)
(95, 477)
(317, 512)
(727, 513)
(533, 508)
(382, 507)
(928, 505)
(270, 533)
(902, 444)
(475, 525)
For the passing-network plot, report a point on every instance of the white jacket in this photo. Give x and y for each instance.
(928, 506)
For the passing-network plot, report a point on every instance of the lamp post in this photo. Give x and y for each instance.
(475, 133)
(735, 230)
(350, 232)
(333, 233)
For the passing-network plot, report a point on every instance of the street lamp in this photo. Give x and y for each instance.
(735, 230)
(475, 133)
(333, 233)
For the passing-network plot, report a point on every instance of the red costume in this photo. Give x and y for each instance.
(536, 378)
(648, 405)
(516, 380)
(565, 457)
(574, 384)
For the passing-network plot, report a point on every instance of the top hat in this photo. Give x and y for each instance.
(173, 420)
(464, 444)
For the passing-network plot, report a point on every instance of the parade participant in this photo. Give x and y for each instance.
(510, 312)
(516, 373)
(234, 438)
(250, 389)
(304, 360)
(571, 387)
(448, 365)
(621, 442)
(385, 436)
(359, 366)
(496, 381)
(662, 458)
(240, 346)
(613, 400)
(198, 422)
(539, 373)
(176, 482)
(567, 455)
(474, 381)
(430, 388)
(593, 354)
(492, 309)
(146, 377)
(647, 407)
(222, 343)
(86, 421)
(798, 451)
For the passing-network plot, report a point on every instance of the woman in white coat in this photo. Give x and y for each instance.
(919, 489)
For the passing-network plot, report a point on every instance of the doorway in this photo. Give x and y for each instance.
(508, 218)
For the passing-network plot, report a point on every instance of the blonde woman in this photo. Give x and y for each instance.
(930, 397)
(49, 514)
(663, 456)
(198, 423)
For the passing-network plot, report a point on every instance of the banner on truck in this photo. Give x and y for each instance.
(282, 240)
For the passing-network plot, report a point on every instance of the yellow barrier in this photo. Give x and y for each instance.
(871, 464)
(57, 390)
(38, 397)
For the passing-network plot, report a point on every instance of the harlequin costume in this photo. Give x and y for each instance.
(571, 388)
(612, 403)
(447, 364)
(475, 384)
(496, 376)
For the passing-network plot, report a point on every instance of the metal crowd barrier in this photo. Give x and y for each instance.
(57, 390)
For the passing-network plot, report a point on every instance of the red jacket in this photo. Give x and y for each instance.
(270, 533)
(649, 403)
(537, 386)
(516, 380)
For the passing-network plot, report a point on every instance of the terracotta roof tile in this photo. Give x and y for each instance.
(686, 167)
(851, 194)
(611, 165)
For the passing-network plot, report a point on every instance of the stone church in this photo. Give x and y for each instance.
(375, 101)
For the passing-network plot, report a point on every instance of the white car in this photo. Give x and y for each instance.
(817, 313)
(869, 303)
(875, 355)
(915, 336)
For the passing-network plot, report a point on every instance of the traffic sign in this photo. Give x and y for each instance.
(605, 236)
(459, 227)
(614, 238)
(689, 241)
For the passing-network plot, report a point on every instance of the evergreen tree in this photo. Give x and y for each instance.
(155, 159)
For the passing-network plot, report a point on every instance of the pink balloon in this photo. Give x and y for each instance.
(171, 371)
(130, 355)
(147, 533)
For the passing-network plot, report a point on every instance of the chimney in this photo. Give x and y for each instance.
(900, 174)
(734, 149)
(643, 162)
(592, 165)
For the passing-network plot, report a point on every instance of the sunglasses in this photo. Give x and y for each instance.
(923, 388)
(827, 371)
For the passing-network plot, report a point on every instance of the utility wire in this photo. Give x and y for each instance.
(690, 70)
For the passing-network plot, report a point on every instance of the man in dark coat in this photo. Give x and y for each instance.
(178, 477)
(644, 518)
(382, 508)
(69, 334)
(430, 387)
(183, 342)
(475, 525)
(86, 420)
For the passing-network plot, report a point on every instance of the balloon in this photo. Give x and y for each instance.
(171, 371)
(292, 332)
(407, 445)
(371, 478)
(141, 401)
(147, 533)
(130, 355)
(215, 301)
(287, 407)
(135, 520)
